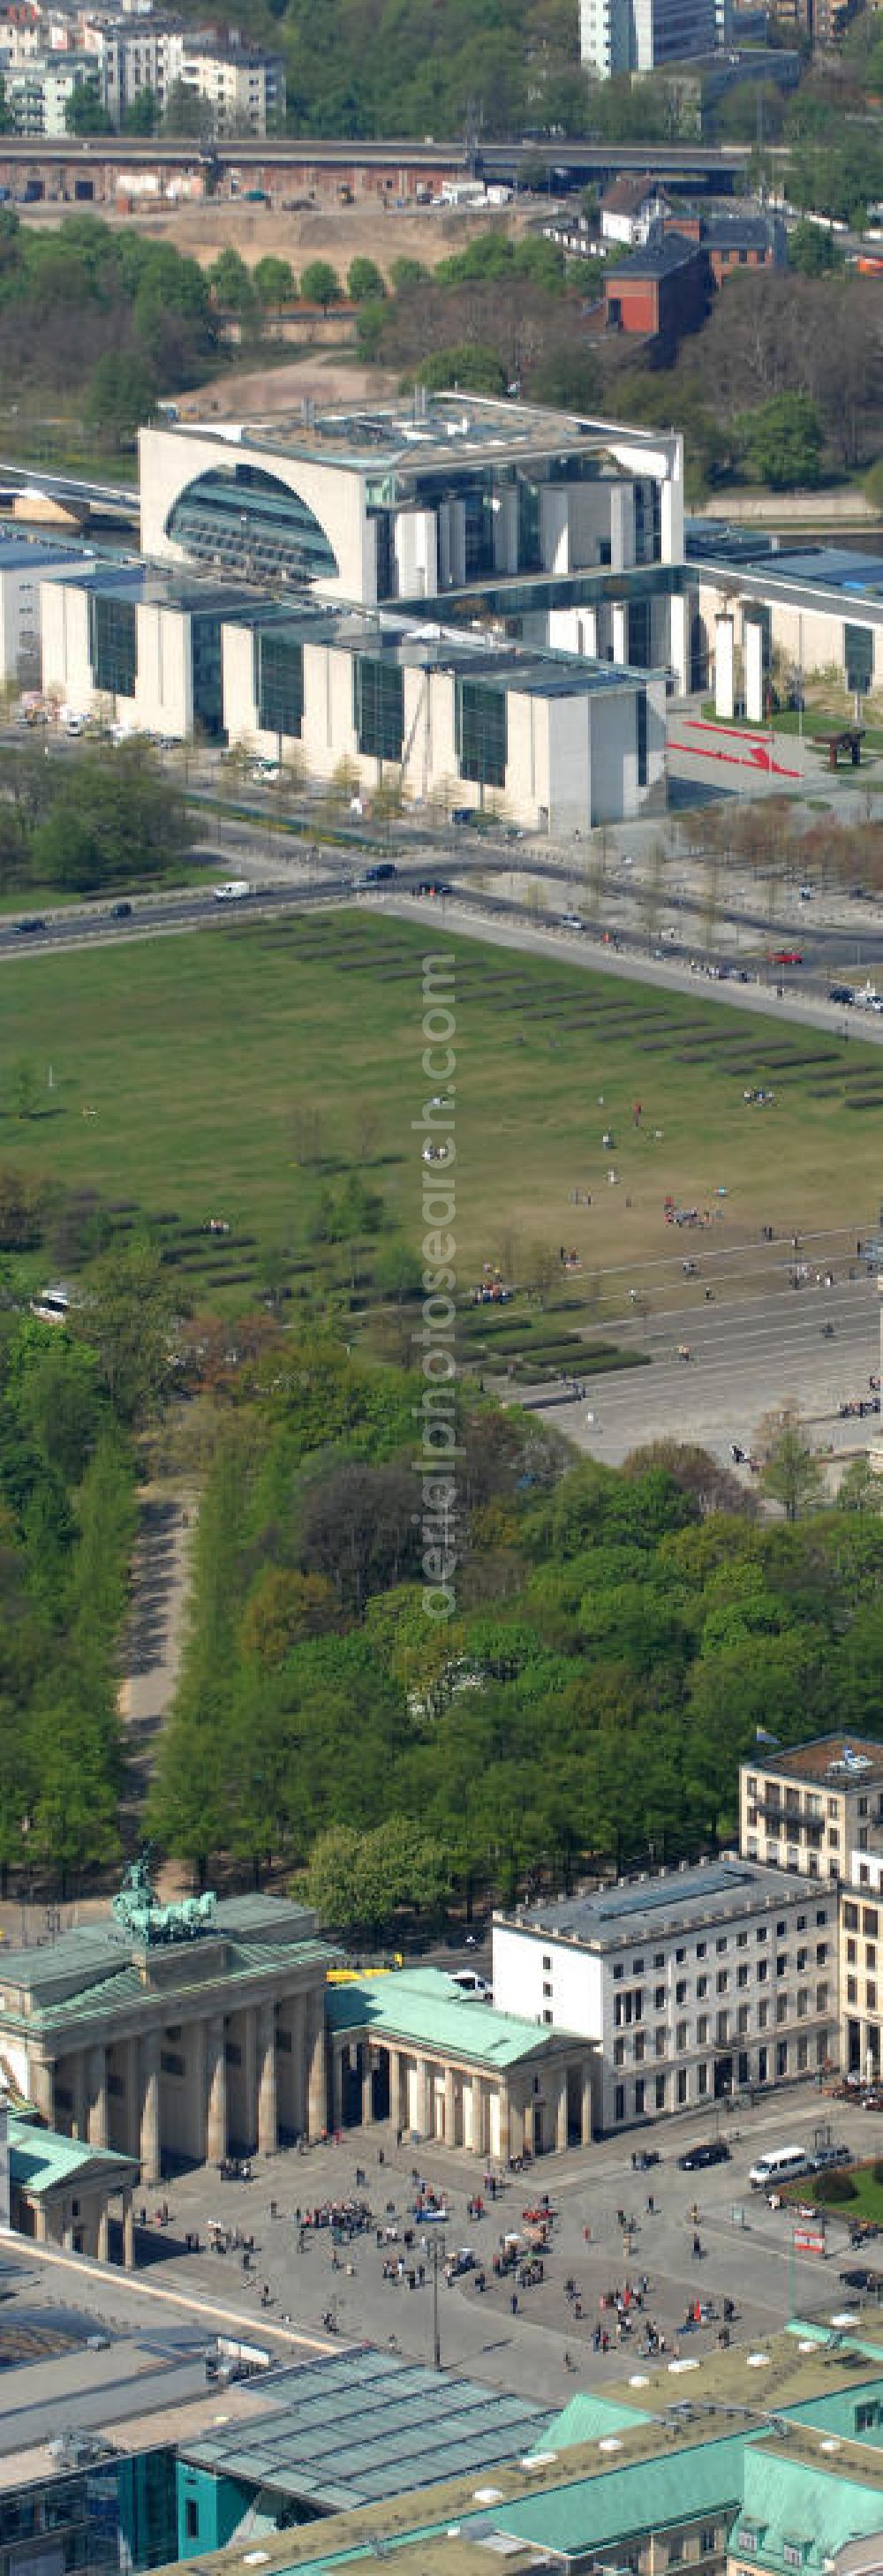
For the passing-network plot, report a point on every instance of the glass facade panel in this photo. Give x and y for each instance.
(640, 633)
(858, 654)
(279, 683)
(113, 648)
(246, 522)
(378, 707)
(641, 714)
(481, 732)
(206, 664)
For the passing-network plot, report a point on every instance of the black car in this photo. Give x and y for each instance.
(862, 2278)
(31, 921)
(120, 911)
(842, 993)
(712, 2152)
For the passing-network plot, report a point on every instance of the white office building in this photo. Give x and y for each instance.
(554, 742)
(692, 1984)
(26, 563)
(644, 35)
(411, 500)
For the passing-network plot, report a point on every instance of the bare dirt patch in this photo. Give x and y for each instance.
(329, 376)
(330, 231)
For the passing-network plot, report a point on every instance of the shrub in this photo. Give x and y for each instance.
(834, 2188)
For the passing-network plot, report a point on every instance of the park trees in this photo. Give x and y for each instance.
(85, 112)
(274, 282)
(111, 815)
(782, 442)
(359, 1882)
(231, 282)
(320, 284)
(126, 1319)
(790, 1469)
(364, 282)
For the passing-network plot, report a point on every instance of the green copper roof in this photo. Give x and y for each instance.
(588, 2418)
(422, 2007)
(672, 2487)
(810, 2506)
(41, 2161)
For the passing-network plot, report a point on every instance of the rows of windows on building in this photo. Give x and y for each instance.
(744, 1992)
(47, 54)
(807, 1827)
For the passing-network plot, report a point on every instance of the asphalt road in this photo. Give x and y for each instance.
(745, 1356)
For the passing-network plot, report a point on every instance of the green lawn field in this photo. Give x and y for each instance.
(186, 1072)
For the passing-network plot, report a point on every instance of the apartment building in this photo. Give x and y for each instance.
(136, 55)
(692, 1983)
(21, 35)
(38, 91)
(810, 1808)
(245, 91)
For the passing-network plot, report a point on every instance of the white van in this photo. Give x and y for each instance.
(780, 2164)
(471, 1984)
(234, 892)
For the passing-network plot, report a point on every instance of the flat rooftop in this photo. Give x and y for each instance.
(835, 1761)
(444, 430)
(664, 2445)
(648, 1908)
(406, 635)
(416, 643)
(808, 576)
(21, 554)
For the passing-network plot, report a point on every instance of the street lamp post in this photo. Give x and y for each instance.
(438, 2254)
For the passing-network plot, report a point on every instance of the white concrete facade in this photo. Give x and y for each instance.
(573, 759)
(171, 460)
(576, 755)
(687, 1998)
(24, 566)
(808, 630)
(586, 520)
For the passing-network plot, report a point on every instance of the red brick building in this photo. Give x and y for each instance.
(733, 241)
(661, 291)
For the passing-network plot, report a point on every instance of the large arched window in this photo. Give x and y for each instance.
(239, 520)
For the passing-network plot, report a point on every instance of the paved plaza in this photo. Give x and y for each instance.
(543, 2348)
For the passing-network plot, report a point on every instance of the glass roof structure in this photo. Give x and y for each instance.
(356, 2427)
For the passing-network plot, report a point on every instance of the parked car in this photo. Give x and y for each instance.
(861, 2277)
(712, 2151)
